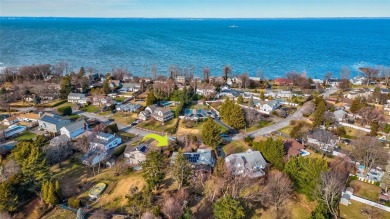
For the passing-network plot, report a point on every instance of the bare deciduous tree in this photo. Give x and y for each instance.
(370, 73)
(330, 189)
(372, 212)
(369, 151)
(175, 204)
(277, 191)
(370, 114)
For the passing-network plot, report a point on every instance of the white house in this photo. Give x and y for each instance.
(132, 87)
(77, 98)
(11, 120)
(28, 117)
(163, 114)
(318, 81)
(285, 94)
(75, 129)
(358, 80)
(270, 93)
(105, 141)
(269, 106)
(128, 107)
(137, 155)
(205, 90)
(249, 163)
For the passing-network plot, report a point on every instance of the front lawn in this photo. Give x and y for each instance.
(354, 133)
(286, 130)
(74, 117)
(105, 113)
(258, 125)
(126, 135)
(354, 210)
(155, 125)
(90, 109)
(124, 118)
(365, 190)
(26, 136)
(235, 147)
(119, 99)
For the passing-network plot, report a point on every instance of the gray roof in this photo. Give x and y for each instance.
(59, 139)
(103, 135)
(271, 103)
(200, 157)
(76, 125)
(249, 159)
(76, 95)
(339, 113)
(131, 85)
(51, 120)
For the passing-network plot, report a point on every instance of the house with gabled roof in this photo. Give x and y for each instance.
(136, 155)
(163, 114)
(11, 120)
(77, 98)
(28, 117)
(74, 129)
(59, 140)
(250, 163)
(105, 141)
(52, 123)
(201, 159)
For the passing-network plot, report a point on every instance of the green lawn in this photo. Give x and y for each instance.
(157, 126)
(365, 190)
(90, 109)
(119, 99)
(63, 104)
(354, 211)
(354, 133)
(26, 136)
(286, 130)
(126, 135)
(235, 147)
(256, 126)
(74, 117)
(105, 113)
(124, 118)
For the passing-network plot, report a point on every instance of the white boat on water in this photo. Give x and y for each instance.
(233, 26)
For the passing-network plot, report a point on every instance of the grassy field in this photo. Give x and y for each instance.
(354, 211)
(119, 99)
(120, 117)
(258, 125)
(90, 109)
(157, 126)
(64, 104)
(105, 113)
(74, 117)
(196, 130)
(59, 213)
(235, 147)
(365, 190)
(54, 103)
(126, 135)
(354, 133)
(26, 136)
(286, 130)
(20, 104)
(298, 208)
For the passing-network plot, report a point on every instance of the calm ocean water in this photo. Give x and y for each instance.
(276, 46)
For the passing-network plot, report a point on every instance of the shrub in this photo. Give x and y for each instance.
(189, 124)
(113, 128)
(377, 183)
(65, 110)
(73, 202)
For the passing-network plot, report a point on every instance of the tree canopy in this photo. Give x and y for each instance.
(153, 169)
(272, 150)
(211, 133)
(232, 114)
(227, 207)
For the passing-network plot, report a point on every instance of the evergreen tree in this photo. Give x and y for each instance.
(357, 104)
(227, 207)
(65, 110)
(321, 212)
(8, 197)
(211, 133)
(81, 73)
(262, 96)
(250, 103)
(305, 173)
(232, 114)
(319, 114)
(150, 99)
(374, 128)
(106, 86)
(273, 151)
(181, 169)
(65, 87)
(240, 99)
(153, 169)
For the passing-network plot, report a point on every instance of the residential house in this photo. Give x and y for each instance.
(333, 82)
(283, 81)
(205, 90)
(144, 115)
(75, 129)
(329, 145)
(115, 83)
(59, 140)
(13, 130)
(358, 80)
(202, 159)
(226, 87)
(229, 93)
(339, 115)
(385, 91)
(318, 81)
(77, 98)
(249, 163)
(7, 147)
(270, 106)
(94, 157)
(130, 87)
(103, 101)
(129, 107)
(198, 114)
(293, 148)
(162, 114)
(234, 80)
(285, 94)
(363, 92)
(28, 117)
(270, 93)
(105, 141)
(52, 123)
(137, 155)
(180, 79)
(257, 79)
(11, 120)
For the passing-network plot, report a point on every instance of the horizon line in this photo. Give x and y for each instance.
(221, 18)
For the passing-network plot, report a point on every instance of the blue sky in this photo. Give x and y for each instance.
(196, 8)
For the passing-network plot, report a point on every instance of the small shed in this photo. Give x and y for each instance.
(346, 196)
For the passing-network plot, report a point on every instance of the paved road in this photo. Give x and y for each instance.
(370, 203)
(283, 123)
